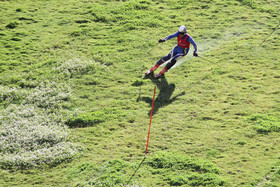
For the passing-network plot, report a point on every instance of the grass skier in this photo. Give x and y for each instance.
(182, 48)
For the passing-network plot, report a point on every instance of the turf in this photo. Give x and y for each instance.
(77, 67)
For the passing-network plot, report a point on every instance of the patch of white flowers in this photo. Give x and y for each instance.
(74, 66)
(33, 133)
(49, 95)
(10, 94)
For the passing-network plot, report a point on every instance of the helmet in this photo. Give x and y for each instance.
(182, 29)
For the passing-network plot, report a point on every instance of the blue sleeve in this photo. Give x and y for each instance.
(189, 39)
(176, 34)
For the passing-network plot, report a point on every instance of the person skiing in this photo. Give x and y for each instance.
(182, 48)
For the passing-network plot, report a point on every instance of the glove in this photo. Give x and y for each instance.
(195, 54)
(161, 40)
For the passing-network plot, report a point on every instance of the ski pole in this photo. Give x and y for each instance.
(205, 59)
(135, 171)
(150, 122)
(270, 34)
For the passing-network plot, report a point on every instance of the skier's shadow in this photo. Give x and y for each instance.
(164, 97)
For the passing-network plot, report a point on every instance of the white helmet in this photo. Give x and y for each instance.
(182, 29)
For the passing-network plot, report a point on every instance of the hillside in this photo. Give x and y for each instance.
(75, 110)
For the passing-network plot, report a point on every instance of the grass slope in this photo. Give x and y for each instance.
(214, 123)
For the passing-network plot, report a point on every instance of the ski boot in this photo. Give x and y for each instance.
(159, 75)
(149, 74)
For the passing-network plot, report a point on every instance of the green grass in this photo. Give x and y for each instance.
(77, 67)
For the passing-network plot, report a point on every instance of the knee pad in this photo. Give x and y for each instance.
(170, 64)
(161, 61)
(165, 58)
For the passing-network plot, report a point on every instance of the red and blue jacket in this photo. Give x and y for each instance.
(183, 42)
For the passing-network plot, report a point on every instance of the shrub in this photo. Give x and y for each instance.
(80, 31)
(46, 156)
(176, 161)
(48, 95)
(205, 180)
(100, 14)
(184, 170)
(80, 21)
(249, 3)
(112, 173)
(265, 123)
(169, 168)
(137, 83)
(2, 34)
(177, 180)
(28, 83)
(19, 10)
(76, 66)
(9, 95)
(195, 180)
(81, 170)
(241, 142)
(136, 5)
(93, 118)
(33, 133)
(12, 24)
(98, 17)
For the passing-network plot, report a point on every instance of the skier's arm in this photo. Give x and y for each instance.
(189, 39)
(169, 37)
(172, 36)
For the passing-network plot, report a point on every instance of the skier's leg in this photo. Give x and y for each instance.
(169, 65)
(161, 61)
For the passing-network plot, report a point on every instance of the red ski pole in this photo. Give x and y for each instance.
(150, 122)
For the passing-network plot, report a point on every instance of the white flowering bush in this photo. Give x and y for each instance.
(11, 94)
(72, 67)
(32, 133)
(45, 156)
(48, 95)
